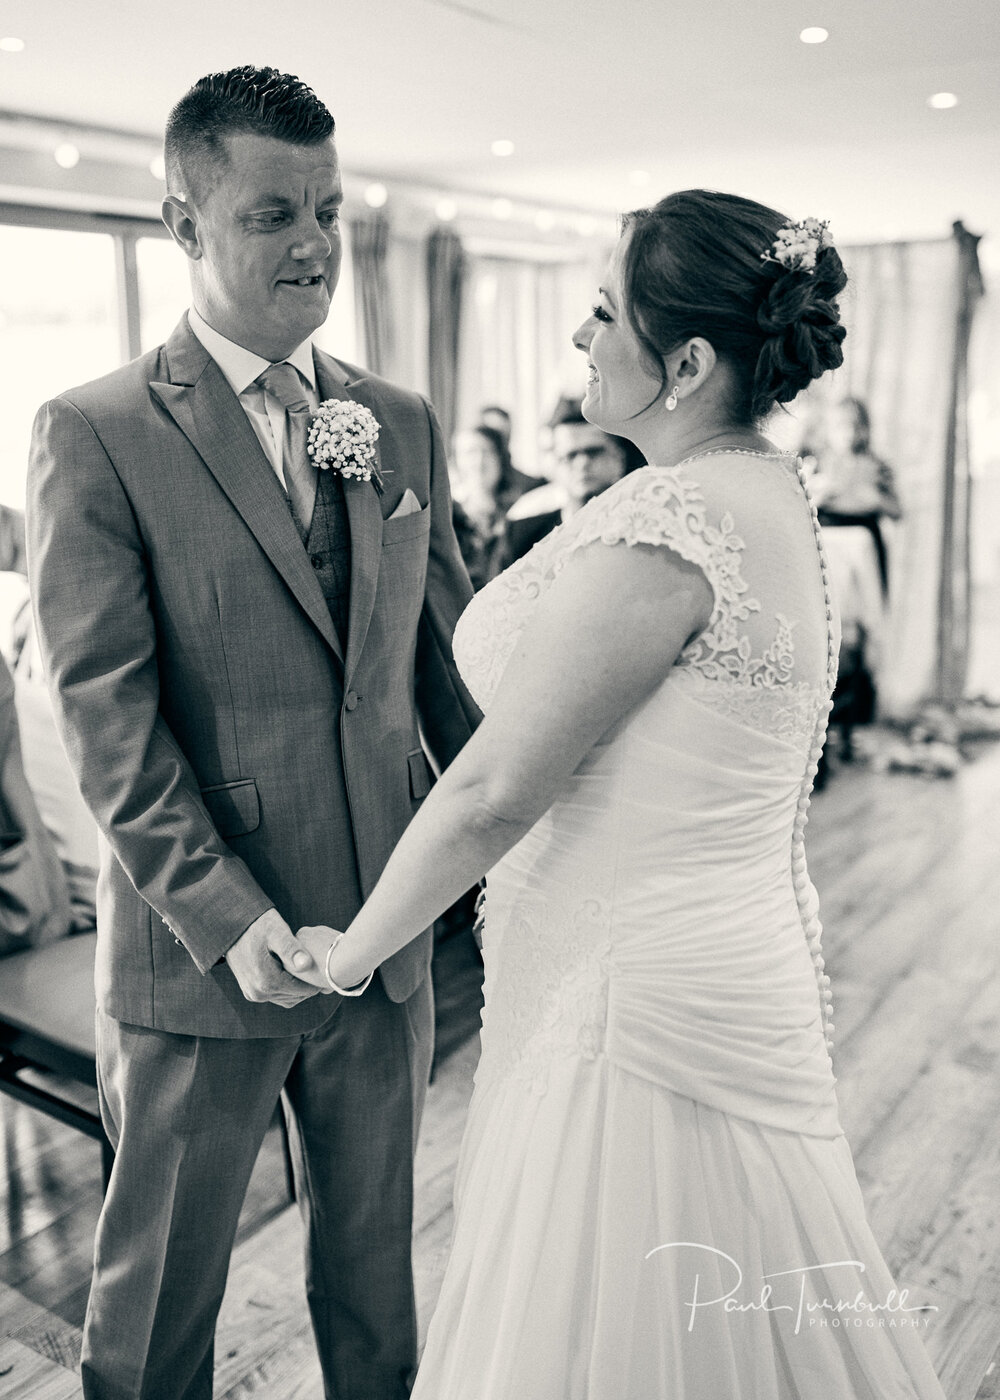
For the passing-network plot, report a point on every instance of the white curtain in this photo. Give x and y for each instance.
(406, 361)
(907, 309)
(518, 317)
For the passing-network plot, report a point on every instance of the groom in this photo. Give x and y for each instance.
(244, 653)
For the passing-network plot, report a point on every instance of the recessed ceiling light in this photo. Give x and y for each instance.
(942, 100)
(640, 177)
(586, 226)
(545, 220)
(12, 45)
(66, 155)
(815, 35)
(158, 168)
(376, 195)
(502, 148)
(446, 210)
(502, 208)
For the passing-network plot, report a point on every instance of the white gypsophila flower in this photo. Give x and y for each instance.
(342, 438)
(797, 246)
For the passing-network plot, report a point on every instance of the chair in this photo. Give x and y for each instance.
(47, 1024)
(47, 1009)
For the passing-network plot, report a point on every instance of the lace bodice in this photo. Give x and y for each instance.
(682, 833)
(660, 506)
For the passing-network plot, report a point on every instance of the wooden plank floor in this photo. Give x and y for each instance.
(909, 876)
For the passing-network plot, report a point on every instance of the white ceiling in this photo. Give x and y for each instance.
(717, 92)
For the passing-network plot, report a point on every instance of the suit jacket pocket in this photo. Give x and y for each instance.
(420, 774)
(233, 807)
(406, 527)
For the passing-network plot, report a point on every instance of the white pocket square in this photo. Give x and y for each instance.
(409, 505)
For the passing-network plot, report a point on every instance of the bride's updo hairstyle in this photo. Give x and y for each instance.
(693, 266)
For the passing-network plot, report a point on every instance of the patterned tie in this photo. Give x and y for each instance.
(285, 383)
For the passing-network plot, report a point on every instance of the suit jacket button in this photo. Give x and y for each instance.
(351, 700)
(316, 560)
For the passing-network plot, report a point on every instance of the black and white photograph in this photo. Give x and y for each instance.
(500, 700)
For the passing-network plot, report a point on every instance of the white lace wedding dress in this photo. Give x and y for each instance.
(654, 1124)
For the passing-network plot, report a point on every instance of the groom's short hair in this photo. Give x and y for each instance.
(260, 101)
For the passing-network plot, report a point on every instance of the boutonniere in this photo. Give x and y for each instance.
(342, 438)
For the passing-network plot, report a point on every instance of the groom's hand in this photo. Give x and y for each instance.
(317, 938)
(270, 965)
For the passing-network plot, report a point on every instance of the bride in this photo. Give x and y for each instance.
(655, 1199)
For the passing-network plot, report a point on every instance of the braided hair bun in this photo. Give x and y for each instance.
(800, 321)
(700, 263)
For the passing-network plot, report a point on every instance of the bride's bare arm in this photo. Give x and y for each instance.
(604, 634)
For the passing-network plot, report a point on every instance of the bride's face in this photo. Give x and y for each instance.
(621, 385)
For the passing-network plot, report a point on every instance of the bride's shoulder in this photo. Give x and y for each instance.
(649, 484)
(652, 505)
(738, 465)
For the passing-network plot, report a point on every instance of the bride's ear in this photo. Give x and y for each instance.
(691, 364)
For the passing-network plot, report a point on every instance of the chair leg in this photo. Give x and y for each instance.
(287, 1153)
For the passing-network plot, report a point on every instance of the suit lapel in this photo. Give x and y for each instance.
(365, 516)
(206, 410)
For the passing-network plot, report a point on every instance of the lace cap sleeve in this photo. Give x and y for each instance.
(658, 506)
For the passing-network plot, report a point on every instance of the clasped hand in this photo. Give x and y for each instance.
(273, 964)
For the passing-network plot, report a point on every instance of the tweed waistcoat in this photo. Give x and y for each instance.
(328, 545)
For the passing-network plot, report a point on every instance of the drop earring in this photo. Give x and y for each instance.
(671, 401)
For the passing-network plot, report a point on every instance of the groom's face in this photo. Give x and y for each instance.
(268, 233)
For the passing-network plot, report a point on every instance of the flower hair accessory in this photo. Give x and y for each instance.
(342, 438)
(797, 245)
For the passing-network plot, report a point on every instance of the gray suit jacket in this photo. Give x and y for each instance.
(234, 756)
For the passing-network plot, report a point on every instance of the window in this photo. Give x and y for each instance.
(164, 288)
(86, 293)
(58, 327)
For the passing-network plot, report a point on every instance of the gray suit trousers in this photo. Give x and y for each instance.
(187, 1115)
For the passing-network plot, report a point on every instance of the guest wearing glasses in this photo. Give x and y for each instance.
(585, 461)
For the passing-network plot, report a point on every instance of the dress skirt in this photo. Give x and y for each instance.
(618, 1241)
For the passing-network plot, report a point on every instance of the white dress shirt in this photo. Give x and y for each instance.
(241, 368)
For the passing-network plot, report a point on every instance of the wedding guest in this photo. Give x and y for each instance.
(12, 555)
(497, 418)
(484, 487)
(855, 493)
(491, 415)
(34, 896)
(585, 462)
(246, 656)
(849, 483)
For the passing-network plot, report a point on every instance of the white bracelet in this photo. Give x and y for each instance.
(344, 992)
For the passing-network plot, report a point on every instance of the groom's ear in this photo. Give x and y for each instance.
(179, 218)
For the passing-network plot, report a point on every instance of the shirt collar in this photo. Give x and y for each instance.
(240, 365)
